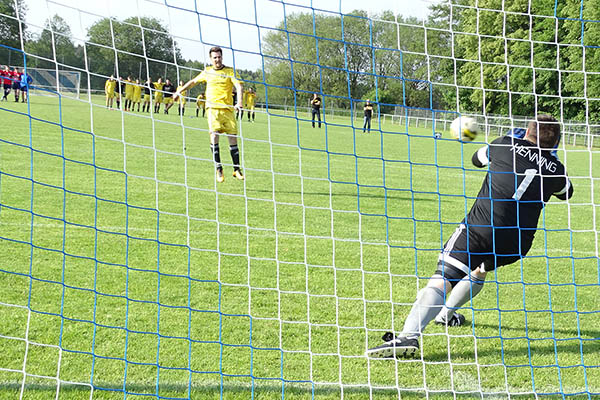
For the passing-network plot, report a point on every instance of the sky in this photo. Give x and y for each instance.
(239, 24)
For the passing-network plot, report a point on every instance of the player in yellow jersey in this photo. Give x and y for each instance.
(128, 93)
(250, 102)
(201, 104)
(147, 95)
(182, 98)
(109, 90)
(158, 94)
(137, 95)
(220, 81)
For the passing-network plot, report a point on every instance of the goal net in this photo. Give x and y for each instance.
(55, 81)
(127, 271)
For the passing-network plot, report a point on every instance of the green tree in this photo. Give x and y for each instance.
(12, 26)
(349, 58)
(131, 47)
(579, 58)
(513, 58)
(54, 46)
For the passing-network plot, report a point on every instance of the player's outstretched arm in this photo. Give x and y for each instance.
(188, 85)
(480, 158)
(566, 192)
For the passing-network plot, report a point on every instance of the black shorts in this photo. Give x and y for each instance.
(7, 85)
(23, 88)
(466, 250)
(16, 85)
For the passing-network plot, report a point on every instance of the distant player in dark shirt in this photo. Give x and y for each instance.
(169, 90)
(119, 90)
(315, 104)
(147, 95)
(522, 176)
(368, 109)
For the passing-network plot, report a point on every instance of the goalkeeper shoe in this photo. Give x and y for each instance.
(237, 174)
(455, 320)
(220, 176)
(394, 347)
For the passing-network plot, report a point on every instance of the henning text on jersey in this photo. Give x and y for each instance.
(535, 156)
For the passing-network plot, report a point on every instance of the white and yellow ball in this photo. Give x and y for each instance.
(464, 128)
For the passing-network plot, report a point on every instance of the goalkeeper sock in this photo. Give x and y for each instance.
(426, 307)
(235, 156)
(214, 148)
(464, 290)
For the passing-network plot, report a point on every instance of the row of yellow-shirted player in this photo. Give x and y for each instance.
(133, 92)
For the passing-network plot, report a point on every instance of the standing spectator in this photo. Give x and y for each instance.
(6, 81)
(120, 89)
(368, 108)
(182, 98)
(128, 93)
(147, 95)
(158, 94)
(16, 83)
(26, 80)
(316, 109)
(137, 95)
(200, 103)
(250, 101)
(169, 90)
(109, 90)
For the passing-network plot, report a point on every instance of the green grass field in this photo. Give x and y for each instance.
(127, 268)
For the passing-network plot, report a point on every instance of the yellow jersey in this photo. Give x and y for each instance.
(200, 102)
(158, 86)
(158, 94)
(109, 86)
(181, 94)
(137, 92)
(219, 86)
(250, 99)
(128, 88)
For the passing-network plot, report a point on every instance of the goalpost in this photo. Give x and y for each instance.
(56, 81)
(128, 272)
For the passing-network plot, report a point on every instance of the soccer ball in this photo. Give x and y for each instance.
(464, 128)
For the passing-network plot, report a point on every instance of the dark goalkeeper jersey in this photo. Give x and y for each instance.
(520, 180)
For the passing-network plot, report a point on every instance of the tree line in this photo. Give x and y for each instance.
(145, 48)
(507, 58)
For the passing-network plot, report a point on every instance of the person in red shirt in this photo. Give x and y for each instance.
(6, 82)
(16, 83)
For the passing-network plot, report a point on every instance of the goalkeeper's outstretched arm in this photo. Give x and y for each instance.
(480, 157)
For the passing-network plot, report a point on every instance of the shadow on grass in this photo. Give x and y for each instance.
(587, 335)
(537, 340)
(349, 194)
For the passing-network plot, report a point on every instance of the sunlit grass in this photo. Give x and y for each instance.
(126, 268)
